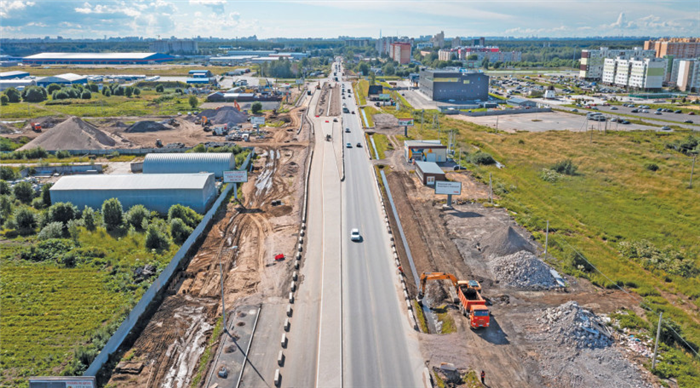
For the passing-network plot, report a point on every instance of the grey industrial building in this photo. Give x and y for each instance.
(156, 192)
(429, 172)
(213, 162)
(442, 85)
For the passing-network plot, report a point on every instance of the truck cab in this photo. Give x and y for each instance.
(479, 317)
(472, 304)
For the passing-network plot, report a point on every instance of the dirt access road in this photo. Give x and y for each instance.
(511, 352)
(245, 237)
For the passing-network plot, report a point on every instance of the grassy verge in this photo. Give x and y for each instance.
(361, 91)
(369, 112)
(448, 323)
(382, 144)
(615, 199)
(209, 352)
(471, 380)
(422, 323)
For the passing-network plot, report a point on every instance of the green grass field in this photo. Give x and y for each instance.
(615, 198)
(382, 144)
(162, 70)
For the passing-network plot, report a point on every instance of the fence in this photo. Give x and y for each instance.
(162, 281)
(506, 112)
(74, 169)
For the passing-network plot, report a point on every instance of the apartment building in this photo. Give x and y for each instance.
(688, 75)
(493, 54)
(593, 61)
(401, 52)
(678, 47)
(635, 73)
(174, 46)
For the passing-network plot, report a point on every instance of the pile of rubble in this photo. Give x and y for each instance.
(523, 270)
(575, 326)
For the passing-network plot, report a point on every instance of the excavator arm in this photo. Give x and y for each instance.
(425, 276)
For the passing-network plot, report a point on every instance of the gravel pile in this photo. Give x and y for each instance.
(72, 134)
(224, 115)
(148, 126)
(504, 242)
(384, 120)
(573, 325)
(523, 270)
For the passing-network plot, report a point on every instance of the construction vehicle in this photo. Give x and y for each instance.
(235, 103)
(174, 123)
(471, 303)
(159, 144)
(36, 127)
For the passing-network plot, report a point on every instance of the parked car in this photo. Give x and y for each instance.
(678, 111)
(688, 121)
(635, 111)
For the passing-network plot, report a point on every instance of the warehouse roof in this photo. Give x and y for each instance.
(194, 157)
(133, 182)
(429, 167)
(70, 77)
(91, 56)
(13, 74)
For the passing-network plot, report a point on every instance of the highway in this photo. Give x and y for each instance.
(350, 327)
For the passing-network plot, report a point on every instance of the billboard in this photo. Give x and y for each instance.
(300, 81)
(257, 120)
(235, 176)
(405, 122)
(448, 188)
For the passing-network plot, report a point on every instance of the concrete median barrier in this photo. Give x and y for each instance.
(284, 340)
(280, 358)
(290, 310)
(287, 324)
(278, 378)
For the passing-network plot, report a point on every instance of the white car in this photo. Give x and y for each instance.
(355, 235)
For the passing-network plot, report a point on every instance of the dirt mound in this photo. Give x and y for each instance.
(523, 270)
(504, 242)
(224, 115)
(74, 134)
(7, 129)
(384, 120)
(148, 126)
(576, 326)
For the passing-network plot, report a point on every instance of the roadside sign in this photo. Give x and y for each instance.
(405, 122)
(300, 81)
(384, 96)
(448, 188)
(235, 176)
(257, 120)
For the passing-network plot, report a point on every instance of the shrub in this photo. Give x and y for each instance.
(89, 218)
(5, 205)
(95, 88)
(106, 92)
(256, 108)
(38, 203)
(86, 95)
(651, 166)
(160, 88)
(8, 173)
(52, 230)
(482, 158)
(24, 192)
(112, 214)
(550, 176)
(579, 262)
(60, 95)
(4, 100)
(13, 95)
(651, 257)
(193, 101)
(179, 231)
(155, 239)
(187, 215)
(128, 91)
(566, 167)
(52, 88)
(137, 91)
(136, 215)
(34, 94)
(25, 220)
(48, 249)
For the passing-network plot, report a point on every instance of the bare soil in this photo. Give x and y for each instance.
(245, 238)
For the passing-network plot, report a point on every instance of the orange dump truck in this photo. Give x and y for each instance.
(472, 304)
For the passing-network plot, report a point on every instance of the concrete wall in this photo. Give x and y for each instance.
(505, 112)
(75, 169)
(442, 86)
(162, 281)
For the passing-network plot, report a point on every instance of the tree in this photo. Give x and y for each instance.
(155, 239)
(193, 101)
(472, 57)
(129, 91)
(52, 88)
(372, 78)
(364, 68)
(24, 192)
(160, 88)
(256, 108)
(137, 91)
(13, 95)
(112, 214)
(186, 214)
(4, 100)
(179, 230)
(25, 220)
(86, 95)
(89, 218)
(62, 212)
(4, 187)
(34, 94)
(93, 87)
(389, 69)
(106, 92)
(136, 215)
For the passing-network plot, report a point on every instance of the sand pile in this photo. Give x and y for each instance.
(523, 270)
(72, 134)
(148, 126)
(504, 242)
(225, 115)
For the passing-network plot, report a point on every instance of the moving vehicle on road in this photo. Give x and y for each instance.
(355, 235)
(347, 130)
(359, 145)
(348, 145)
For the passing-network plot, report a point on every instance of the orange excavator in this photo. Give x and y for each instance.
(235, 103)
(471, 303)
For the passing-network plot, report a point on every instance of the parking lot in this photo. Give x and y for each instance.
(548, 121)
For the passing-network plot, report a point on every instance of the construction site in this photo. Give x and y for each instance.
(541, 328)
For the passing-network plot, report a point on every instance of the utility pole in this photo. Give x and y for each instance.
(496, 123)
(490, 190)
(546, 241)
(692, 168)
(422, 119)
(656, 345)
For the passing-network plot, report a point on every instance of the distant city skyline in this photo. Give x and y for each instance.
(330, 19)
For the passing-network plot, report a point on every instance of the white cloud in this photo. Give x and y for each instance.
(7, 6)
(99, 9)
(620, 21)
(215, 5)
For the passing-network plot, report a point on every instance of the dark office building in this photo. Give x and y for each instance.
(454, 85)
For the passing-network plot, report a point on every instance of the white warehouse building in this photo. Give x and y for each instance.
(155, 192)
(173, 163)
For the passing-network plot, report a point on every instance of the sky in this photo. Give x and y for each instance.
(333, 18)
